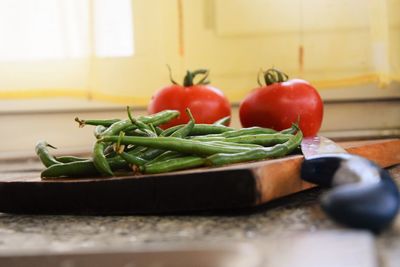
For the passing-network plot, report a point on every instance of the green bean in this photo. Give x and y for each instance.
(291, 130)
(115, 128)
(136, 132)
(171, 130)
(185, 130)
(105, 123)
(175, 164)
(98, 151)
(257, 154)
(236, 133)
(153, 150)
(160, 117)
(109, 151)
(208, 138)
(98, 130)
(236, 144)
(136, 150)
(67, 159)
(132, 159)
(177, 144)
(164, 156)
(200, 129)
(223, 121)
(100, 160)
(71, 169)
(259, 139)
(155, 119)
(158, 130)
(257, 130)
(44, 155)
(181, 130)
(141, 125)
(152, 153)
(249, 131)
(84, 168)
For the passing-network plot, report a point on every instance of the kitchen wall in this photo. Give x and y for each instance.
(234, 40)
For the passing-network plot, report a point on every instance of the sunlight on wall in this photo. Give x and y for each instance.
(113, 28)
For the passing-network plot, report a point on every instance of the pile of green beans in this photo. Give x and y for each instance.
(139, 146)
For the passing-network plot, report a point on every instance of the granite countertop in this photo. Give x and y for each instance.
(283, 218)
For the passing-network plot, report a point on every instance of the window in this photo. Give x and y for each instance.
(62, 29)
(113, 28)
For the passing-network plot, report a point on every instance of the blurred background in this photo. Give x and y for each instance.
(90, 58)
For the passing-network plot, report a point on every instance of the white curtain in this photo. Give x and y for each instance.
(48, 47)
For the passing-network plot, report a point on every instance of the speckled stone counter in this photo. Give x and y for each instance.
(299, 213)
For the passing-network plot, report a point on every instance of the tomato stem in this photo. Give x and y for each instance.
(273, 76)
(190, 115)
(170, 75)
(260, 72)
(189, 77)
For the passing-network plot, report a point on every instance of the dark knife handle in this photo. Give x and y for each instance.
(363, 195)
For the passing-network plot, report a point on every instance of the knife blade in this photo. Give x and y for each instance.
(363, 195)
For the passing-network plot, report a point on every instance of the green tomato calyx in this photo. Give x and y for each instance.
(272, 76)
(188, 80)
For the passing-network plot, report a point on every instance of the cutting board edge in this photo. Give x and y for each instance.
(287, 181)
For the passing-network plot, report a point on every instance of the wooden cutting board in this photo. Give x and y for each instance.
(232, 187)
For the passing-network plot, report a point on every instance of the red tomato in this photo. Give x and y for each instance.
(206, 103)
(280, 103)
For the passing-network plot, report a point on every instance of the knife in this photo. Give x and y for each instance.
(363, 195)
